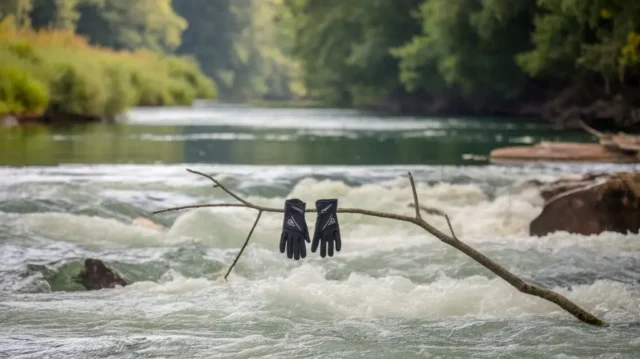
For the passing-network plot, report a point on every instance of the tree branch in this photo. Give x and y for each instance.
(415, 197)
(429, 210)
(483, 260)
(453, 234)
(436, 212)
(218, 184)
(244, 245)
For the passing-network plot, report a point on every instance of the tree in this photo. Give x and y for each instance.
(597, 36)
(239, 44)
(209, 37)
(19, 10)
(468, 46)
(124, 24)
(344, 46)
(57, 14)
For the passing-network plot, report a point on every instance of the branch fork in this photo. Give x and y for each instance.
(451, 240)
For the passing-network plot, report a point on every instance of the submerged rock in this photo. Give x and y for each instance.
(96, 275)
(590, 205)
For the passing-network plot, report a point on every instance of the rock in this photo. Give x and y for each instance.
(591, 205)
(560, 151)
(96, 275)
(552, 189)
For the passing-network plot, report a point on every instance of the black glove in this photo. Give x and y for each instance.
(327, 229)
(294, 229)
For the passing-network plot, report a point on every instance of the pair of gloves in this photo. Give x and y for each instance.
(295, 231)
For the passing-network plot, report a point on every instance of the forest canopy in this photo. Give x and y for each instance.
(477, 56)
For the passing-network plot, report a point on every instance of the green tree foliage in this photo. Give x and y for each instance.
(130, 25)
(210, 37)
(57, 14)
(353, 52)
(593, 35)
(18, 10)
(240, 45)
(59, 70)
(468, 45)
(344, 46)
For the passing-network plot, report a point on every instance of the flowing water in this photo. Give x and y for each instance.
(392, 292)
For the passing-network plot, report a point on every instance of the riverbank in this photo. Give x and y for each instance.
(57, 76)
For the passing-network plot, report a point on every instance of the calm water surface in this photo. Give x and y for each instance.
(392, 292)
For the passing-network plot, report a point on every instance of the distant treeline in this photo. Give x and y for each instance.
(440, 56)
(236, 42)
(468, 56)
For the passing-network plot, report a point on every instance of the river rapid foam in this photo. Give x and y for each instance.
(393, 290)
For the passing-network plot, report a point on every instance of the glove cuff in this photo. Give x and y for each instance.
(324, 205)
(294, 202)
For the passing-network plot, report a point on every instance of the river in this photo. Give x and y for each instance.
(393, 291)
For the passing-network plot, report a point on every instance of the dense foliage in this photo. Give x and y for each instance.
(477, 50)
(58, 70)
(353, 52)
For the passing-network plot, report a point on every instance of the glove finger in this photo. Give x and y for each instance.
(306, 234)
(330, 245)
(290, 247)
(316, 241)
(323, 247)
(338, 240)
(283, 241)
(296, 248)
(303, 250)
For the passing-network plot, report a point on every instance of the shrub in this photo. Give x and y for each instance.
(59, 69)
(20, 92)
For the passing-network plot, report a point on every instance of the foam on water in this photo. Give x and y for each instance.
(389, 274)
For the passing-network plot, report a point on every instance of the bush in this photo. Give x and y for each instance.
(59, 69)
(20, 92)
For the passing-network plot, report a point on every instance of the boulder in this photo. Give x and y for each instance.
(590, 205)
(552, 189)
(96, 275)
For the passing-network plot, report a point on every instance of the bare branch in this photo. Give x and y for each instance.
(415, 197)
(244, 245)
(453, 234)
(436, 212)
(218, 184)
(453, 241)
(430, 210)
(203, 206)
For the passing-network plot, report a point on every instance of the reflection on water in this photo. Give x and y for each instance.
(268, 136)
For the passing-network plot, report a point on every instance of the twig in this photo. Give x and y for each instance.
(436, 212)
(244, 245)
(483, 260)
(430, 210)
(415, 197)
(451, 227)
(218, 184)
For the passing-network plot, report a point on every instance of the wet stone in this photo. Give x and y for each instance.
(96, 275)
